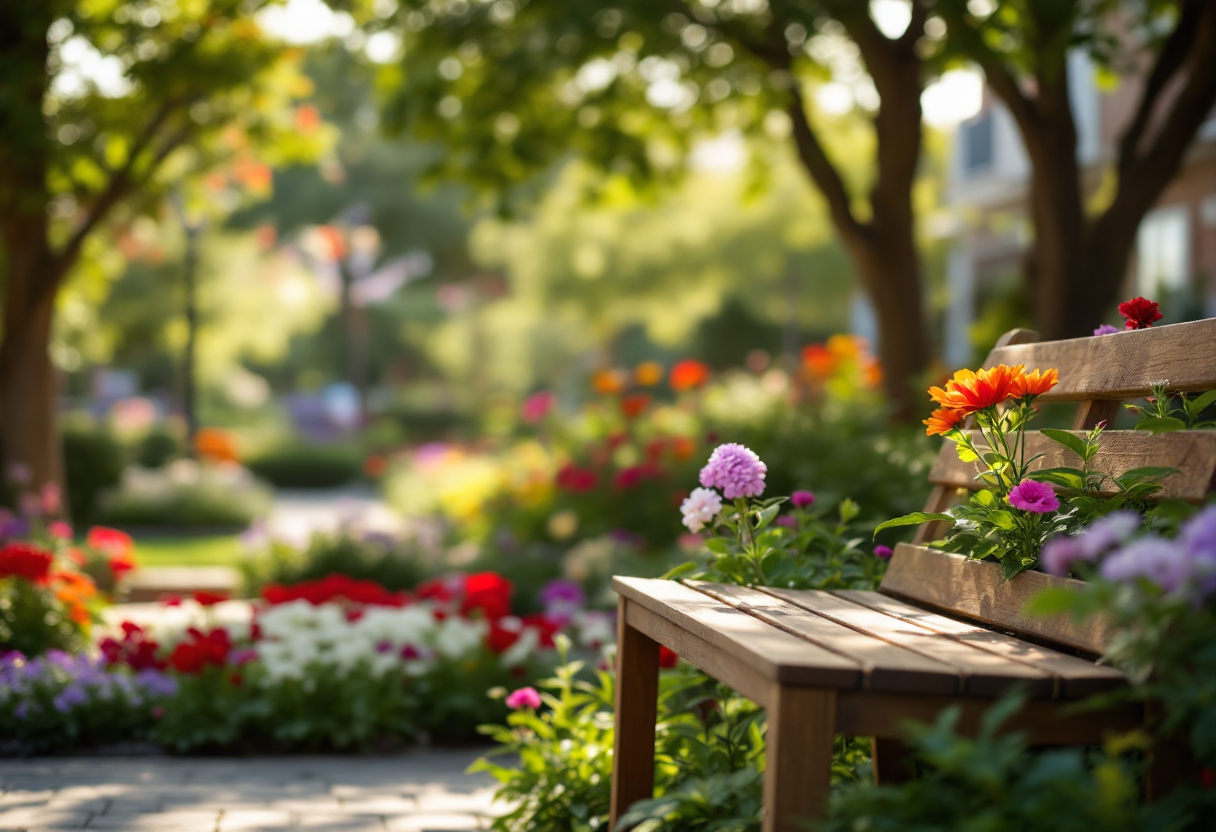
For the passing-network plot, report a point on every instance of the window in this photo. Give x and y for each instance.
(977, 144)
(1162, 251)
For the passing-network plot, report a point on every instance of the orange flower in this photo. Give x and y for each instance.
(683, 448)
(871, 372)
(215, 445)
(943, 420)
(819, 361)
(968, 392)
(633, 405)
(688, 375)
(1033, 384)
(648, 373)
(608, 382)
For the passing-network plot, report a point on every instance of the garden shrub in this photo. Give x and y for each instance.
(159, 445)
(93, 461)
(306, 465)
(186, 494)
(389, 561)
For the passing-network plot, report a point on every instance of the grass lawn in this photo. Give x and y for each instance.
(218, 550)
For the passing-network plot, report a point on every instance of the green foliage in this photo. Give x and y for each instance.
(1167, 412)
(993, 782)
(185, 494)
(816, 551)
(390, 562)
(33, 621)
(93, 460)
(307, 465)
(159, 446)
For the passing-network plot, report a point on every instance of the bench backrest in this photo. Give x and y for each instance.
(1099, 373)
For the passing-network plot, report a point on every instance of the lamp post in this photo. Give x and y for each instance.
(193, 226)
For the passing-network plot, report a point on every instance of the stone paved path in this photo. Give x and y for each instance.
(418, 791)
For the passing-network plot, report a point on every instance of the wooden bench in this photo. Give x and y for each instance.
(941, 630)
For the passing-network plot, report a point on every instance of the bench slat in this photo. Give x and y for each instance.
(773, 653)
(1193, 453)
(974, 589)
(1122, 366)
(982, 673)
(886, 666)
(1077, 678)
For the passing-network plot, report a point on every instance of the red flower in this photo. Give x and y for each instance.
(110, 541)
(488, 592)
(667, 657)
(209, 599)
(1140, 313)
(546, 628)
(335, 588)
(634, 404)
(200, 650)
(578, 480)
(503, 635)
(135, 650)
(635, 475)
(688, 375)
(374, 466)
(25, 560)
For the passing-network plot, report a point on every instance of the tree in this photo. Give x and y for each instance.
(1081, 256)
(105, 105)
(511, 88)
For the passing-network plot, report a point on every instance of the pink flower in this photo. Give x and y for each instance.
(736, 470)
(60, 530)
(787, 522)
(1035, 497)
(883, 552)
(524, 698)
(537, 406)
(803, 499)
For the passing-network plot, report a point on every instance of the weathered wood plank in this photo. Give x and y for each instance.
(1122, 366)
(981, 673)
(773, 653)
(974, 589)
(886, 666)
(1192, 452)
(1076, 678)
(637, 697)
(798, 757)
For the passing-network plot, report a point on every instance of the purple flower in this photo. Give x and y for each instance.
(1162, 562)
(383, 646)
(1105, 329)
(736, 470)
(787, 522)
(1060, 553)
(803, 499)
(1107, 532)
(1199, 536)
(524, 698)
(883, 552)
(562, 599)
(1035, 497)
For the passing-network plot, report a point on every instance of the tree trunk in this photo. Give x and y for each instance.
(29, 436)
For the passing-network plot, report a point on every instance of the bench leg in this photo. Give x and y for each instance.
(637, 696)
(891, 760)
(798, 754)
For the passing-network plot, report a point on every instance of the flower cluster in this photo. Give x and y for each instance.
(1138, 313)
(736, 470)
(972, 392)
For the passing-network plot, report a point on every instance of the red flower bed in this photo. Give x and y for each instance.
(335, 588)
(25, 560)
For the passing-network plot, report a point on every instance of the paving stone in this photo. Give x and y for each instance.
(26, 819)
(382, 805)
(250, 820)
(345, 821)
(438, 801)
(435, 823)
(191, 821)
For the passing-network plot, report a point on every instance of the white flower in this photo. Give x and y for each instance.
(700, 508)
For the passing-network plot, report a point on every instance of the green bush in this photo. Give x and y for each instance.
(390, 562)
(185, 494)
(159, 446)
(93, 460)
(300, 465)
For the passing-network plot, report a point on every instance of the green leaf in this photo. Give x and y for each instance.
(1051, 602)
(1074, 443)
(766, 515)
(1161, 424)
(966, 455)
(677, 571)
(983, 498)
(1070, 478)
(1147, 474)
(717, 545)
(1002, 520)
(1197, 406)
(913, 519)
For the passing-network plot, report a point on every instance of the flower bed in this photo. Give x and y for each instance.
(334, 663)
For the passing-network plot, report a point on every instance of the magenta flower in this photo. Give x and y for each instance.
(736, 470)
(803, 499)
(1035, 497)
(1105, 329)
(883, 552)
(524, 698)
(537, 406)
(785, 521)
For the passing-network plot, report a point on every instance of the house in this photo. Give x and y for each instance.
(1175, 251)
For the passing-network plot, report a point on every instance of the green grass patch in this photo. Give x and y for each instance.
(217, 550)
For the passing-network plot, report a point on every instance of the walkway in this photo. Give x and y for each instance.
(417, 791)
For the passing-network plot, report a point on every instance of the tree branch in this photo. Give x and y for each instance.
(996, 73)
(1171, 59)
(817, 163)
